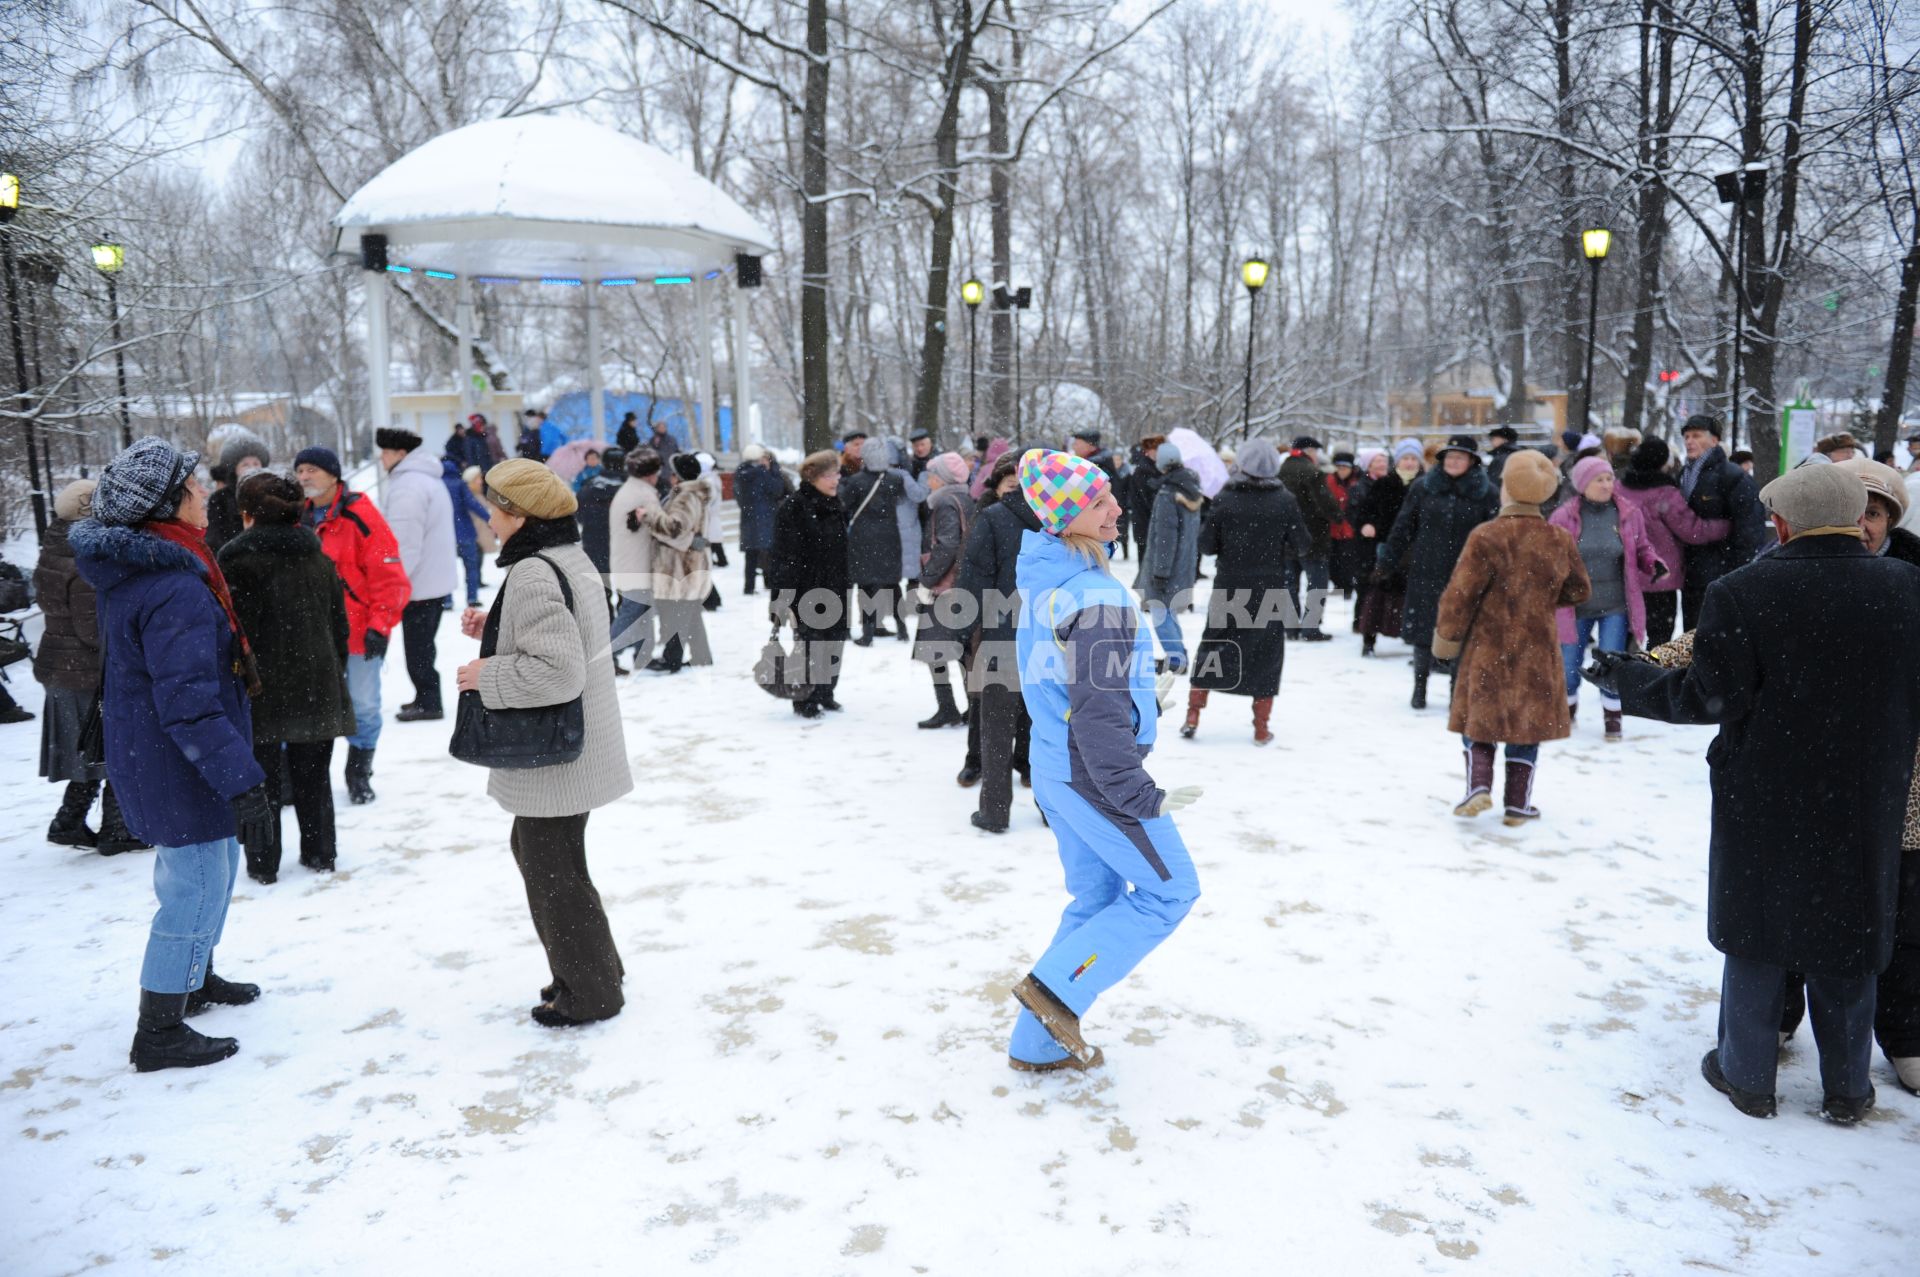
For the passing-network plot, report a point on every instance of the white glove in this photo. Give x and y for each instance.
(1163, 690)
(1185, 796)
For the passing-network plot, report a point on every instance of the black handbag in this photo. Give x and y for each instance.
(542, 736)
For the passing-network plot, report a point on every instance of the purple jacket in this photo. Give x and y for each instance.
(1639, 567)
(1669, 521)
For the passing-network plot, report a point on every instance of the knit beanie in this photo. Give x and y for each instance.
(145, 482)
(1586, 470)
(76, 500)
(950, 466)
(526, 487)
(1167, 457)
(1528, 477)
(1058, 486)
(320, 458)
(1259, 459)
(1649, 456)
(1409, 448)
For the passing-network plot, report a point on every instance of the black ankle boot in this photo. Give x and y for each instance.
(115, 837)
(359, 776)
(69, 827)
(217, 992)
(163, 1042)
(948, 713)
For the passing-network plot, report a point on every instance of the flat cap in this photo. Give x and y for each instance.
(1816, 497)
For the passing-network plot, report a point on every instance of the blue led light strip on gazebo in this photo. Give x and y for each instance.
(673, 279)
(618, 283)
(441, 274)
(495, 279)
(566, 281)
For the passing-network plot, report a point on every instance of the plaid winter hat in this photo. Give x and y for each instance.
(1058, 486)
(142, 483)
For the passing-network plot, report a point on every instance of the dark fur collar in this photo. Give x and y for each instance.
(536, 535)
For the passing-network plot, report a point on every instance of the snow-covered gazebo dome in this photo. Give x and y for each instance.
(557, 201)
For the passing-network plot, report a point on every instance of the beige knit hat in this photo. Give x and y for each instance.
(1882, 480)
(1817, 497)
(75, 501)
(1529, 478)
(526, 487)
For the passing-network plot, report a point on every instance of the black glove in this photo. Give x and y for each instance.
(633, 520)
(376, 645)
(254, 817)
(1603, 673)
(1660, 572)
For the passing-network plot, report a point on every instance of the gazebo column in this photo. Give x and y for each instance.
(379, 353)
(463, 319)
(596, 385)
(710, 418)
(742, 373)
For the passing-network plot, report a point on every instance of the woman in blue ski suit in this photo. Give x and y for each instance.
(1086, 673)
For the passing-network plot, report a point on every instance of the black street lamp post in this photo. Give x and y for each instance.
(971, 293)
(1595, 244)
(1015, 300)
(1253, 273)
(9, 205)
(1741, 187)
(108, 259)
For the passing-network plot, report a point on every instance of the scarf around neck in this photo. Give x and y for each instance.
(194, 541)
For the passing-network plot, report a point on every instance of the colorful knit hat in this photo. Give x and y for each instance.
(1059, 486)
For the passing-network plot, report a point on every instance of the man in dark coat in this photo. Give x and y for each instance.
(807, 574)
(1441, 510)
(1254, 529)
(998, 726)
(870, 499)
(596, 499)
(759, 486)
(1142, 488)
(1300, 475)
(466, 536)
(1503, 442)
(1715, 488)
(1809, 788)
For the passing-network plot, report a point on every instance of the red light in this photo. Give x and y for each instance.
(1669, 374)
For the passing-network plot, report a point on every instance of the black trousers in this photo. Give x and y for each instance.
(877, 600)
(307, 784)
(1004, 730)
(1661, 609)
(820, 652)
(419, 625)
(551, 852)
(756, 566)
(1752, 999)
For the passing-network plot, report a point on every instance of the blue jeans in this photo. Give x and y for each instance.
(194, 884)
(363, 684)
(1167, 627)
(1612, 637)
(1515, 753)
(632, 627)
(470, 556)
(1106, 929)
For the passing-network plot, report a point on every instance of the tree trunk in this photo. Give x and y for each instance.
(1886, 428)
(1573, 277)
(1650, 226)
(1000, 201)
(815, 332)
(946, 142)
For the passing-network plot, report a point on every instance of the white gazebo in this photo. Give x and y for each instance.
(552, 201)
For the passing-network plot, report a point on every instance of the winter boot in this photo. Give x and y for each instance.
(220, 993)
(1422, 668)
(1479, 797)
(1573, 711)
(1520, 808)
(969, 775)
(69, 827)
(1752, 1103)
(1262, 710)
(163, 1042)
(1061, 1024)
(948, 713)
(1366, 644)
(1196, 701)
(115, 837)
(1907, 1069)
(1615, 729)
(1054, 1066)
(1844, 1111)
(359, 776)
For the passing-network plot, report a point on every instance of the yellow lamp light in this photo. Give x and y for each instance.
(973, 292)
(108, 257)
(9, 194)
(1595, 243)
(1253, 273)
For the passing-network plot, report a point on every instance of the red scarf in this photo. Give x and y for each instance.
(194, 541)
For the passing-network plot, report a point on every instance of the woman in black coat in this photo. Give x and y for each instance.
(807, 573)
(1440, 512)
(1254, 529)
(292, 606)
(869, 499)
(1372, 509)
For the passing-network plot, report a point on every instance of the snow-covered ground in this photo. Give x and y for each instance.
(1385, 1041)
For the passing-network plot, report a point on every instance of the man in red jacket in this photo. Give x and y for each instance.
(365, 554)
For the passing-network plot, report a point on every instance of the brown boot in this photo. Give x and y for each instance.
(1262, 710)
(1479, 780)
(1519, 796)
(1061, 1024)
(1196, 701)
(1615, 728)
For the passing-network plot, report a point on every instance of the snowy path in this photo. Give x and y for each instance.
(1385, 1041)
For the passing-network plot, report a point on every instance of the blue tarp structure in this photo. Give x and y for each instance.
(570, 412)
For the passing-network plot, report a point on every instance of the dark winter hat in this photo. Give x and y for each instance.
(243, 445)
(1088, 436)
(1507, 433)
(397, 439)
(918, 434)
(1649, 456)
(1702, 421)
(1343, 457)
(1740, 456)
(613, 460)
(1570, 440)
(1302, 442)
(475, 419)
(1463, 443)
(850, 436)
(323, 458)
(526, 487)
(145, 482)
(687, 466)
(1837, 443)
(643, 463)
(1810, 497)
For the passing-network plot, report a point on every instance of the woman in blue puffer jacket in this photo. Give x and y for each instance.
(1086, 673)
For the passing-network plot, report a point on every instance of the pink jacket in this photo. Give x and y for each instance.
(1669, 521)
(1640, 560)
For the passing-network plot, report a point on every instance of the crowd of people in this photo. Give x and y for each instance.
(204, 650)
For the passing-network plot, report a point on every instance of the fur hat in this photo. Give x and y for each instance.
(817, 464)
(753, 452)
(1302, 442)
(686, 466)
(244, 444)
(1505, 433)
(1837, 443)
(613, 460)
(75, 500)
(1528, 478)
(1817, 497)
(1882, 480)
(1650, 456)
(643, 463)
(526, 487)
(397, 439)
(144, 482)
(322, 458)
(1343, 457)
(1258, 459)
(1058, 485)
(1586, 470)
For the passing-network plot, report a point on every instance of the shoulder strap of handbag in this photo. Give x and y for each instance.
(490, 636)
(871, 493)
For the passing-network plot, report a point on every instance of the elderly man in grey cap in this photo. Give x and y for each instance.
(1804, 660)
